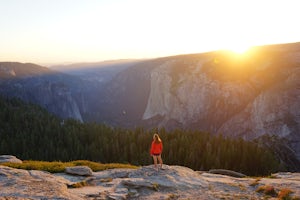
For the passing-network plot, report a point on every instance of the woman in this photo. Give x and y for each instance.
(156, 150)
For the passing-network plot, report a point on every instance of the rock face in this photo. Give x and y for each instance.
(10, 159)
(255, 98)
(173, 182)
(39, 85)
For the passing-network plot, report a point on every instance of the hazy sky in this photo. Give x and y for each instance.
(53, 31)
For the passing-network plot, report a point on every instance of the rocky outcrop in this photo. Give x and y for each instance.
(10, 159)
(172, 182)
(32, 184)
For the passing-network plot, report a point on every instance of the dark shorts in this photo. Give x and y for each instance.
(156, 154)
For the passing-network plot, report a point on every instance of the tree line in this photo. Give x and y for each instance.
(31, 133)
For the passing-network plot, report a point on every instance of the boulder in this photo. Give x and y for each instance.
(9, 158)
(79, 170)
(227, 173)
(19, 184)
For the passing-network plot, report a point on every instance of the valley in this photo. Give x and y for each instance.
(240, 97)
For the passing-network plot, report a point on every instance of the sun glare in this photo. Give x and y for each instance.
(239, 49)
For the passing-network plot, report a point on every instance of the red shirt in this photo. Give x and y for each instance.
(156, 148)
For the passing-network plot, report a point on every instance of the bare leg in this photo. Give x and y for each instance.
(155, 162)
(160, 161)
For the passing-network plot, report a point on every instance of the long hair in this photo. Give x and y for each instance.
(156, 138)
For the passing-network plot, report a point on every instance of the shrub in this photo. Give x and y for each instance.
(78, 185)
(284, 194)
(267, 190)
(155, 186)
(106, 180)
(173, 196)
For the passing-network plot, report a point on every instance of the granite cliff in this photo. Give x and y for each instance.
(39, 85)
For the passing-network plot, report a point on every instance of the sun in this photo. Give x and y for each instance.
(239, 49)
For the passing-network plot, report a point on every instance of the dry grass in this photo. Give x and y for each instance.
(172, 196)
(57, 166)
(155, 186)
(284, 194)
(267, 190)
(255, 182)
(242, 187)
(78, 185)
(106, 180)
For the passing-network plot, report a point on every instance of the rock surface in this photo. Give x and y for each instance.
(32, 184)
(171, 182)
(79, 170)
(9, 158)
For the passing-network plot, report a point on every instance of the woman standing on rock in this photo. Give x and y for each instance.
(156, 150)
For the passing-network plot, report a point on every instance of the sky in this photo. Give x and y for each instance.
(70, 31)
